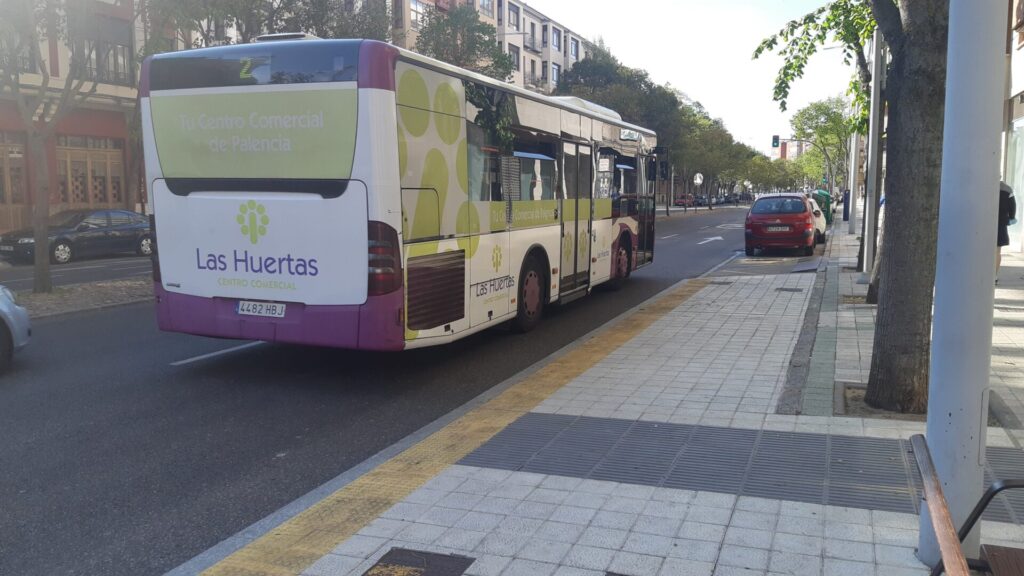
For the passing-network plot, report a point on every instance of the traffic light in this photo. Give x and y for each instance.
(775, 141)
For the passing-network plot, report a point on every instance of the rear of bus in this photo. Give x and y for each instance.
(272, 169)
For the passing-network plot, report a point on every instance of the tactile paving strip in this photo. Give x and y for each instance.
(871, 473)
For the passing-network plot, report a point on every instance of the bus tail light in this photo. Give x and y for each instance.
(154, 259)
(385, 260)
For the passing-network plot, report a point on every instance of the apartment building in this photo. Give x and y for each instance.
(541, 48)
(89, 155)
(790, 149)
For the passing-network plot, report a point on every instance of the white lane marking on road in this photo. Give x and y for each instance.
(669, 236)
(733, 226)
(215, 354)
(706, 240)
(705, 227)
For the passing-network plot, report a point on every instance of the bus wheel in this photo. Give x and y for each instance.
(623, 266)
(532, 282)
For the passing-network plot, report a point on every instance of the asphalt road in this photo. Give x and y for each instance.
(115, 461)
(18, 276)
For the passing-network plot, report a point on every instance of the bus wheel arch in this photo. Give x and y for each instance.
(532, 290)
(622, 261)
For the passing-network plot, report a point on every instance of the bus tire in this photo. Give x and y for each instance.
(531, 299)
(623, 263)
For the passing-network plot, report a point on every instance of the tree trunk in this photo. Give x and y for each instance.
(40, 212)
(916, 90)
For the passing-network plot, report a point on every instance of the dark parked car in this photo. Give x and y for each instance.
(83, 233)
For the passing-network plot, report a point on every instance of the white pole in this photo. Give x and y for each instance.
(965, 272)
(851, 209)
(874, 156)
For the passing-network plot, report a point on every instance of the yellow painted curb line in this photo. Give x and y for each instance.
(294, 545)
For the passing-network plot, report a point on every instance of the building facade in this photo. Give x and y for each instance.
(541, 49)
(88, 157)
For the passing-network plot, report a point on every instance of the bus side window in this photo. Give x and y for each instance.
(484, 165)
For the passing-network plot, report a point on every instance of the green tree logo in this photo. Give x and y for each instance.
(496, 258)
(252, 217)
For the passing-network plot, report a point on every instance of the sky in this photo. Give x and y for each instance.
(704, 48)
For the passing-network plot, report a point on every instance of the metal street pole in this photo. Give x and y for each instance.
(874, 157)
(965, 272)
(672, 185)
(851, 209)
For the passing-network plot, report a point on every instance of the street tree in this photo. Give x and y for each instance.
(460, 38)
(41, 100)
(827, 124)
(915, 31)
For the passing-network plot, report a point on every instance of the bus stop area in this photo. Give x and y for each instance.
(699, 434)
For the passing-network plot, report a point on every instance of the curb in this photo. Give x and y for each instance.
(49, 315)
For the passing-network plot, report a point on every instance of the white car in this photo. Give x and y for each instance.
(820, 224)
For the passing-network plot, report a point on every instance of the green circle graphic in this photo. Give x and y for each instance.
(414, 99)
(461, 166)
(468, 222)
(403, 153)
(435, 175)
(446, 114)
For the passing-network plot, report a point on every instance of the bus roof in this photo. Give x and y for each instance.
(569, 103)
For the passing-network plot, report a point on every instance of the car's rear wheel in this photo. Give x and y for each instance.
(749, 250)
(145, 247)
(61, 252)
(532, 282)
(809, 250)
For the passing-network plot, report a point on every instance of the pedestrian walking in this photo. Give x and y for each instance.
(1007, 216)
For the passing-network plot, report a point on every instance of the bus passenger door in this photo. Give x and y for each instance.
(645, 205)
(570, 217)
(584, 231)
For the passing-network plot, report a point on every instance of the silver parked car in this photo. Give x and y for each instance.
(17, 329)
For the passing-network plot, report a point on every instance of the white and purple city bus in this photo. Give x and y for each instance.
(348, 193)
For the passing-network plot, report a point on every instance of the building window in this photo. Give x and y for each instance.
(513, 51)
(556, 38)
(90, 170)
(487, 7)
(544, 70)
(544, 34)
(574, 49)
(12, 168)
(416, 14)
(513, 16)
(555, 72)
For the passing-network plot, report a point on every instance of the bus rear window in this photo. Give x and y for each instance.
(297, 62)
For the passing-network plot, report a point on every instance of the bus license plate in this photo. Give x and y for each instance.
(268, 309)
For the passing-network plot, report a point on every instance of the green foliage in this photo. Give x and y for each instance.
(848, 22)
(696, 142)
(460, 38)
(827, 124)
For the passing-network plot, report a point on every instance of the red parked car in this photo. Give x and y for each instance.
(781, 221)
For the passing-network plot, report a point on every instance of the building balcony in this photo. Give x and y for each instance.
(530, 43)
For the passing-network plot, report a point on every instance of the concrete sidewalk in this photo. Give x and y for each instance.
(657, 447)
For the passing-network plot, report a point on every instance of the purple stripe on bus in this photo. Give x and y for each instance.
(377, 65)
(370, 326)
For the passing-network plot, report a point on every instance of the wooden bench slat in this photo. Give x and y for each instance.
(938, 510)
(1003, 561)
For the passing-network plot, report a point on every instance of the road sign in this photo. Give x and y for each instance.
(698, 179)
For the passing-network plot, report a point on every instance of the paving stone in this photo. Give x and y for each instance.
(589, 557)
(631, 563)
